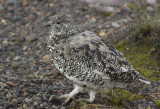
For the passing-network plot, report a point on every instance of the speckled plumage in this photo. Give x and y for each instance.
(87, 60)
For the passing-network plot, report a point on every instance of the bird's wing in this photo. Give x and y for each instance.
(97, 56)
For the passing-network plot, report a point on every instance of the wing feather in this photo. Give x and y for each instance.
(95, 54)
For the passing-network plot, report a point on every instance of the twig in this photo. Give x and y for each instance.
(11, 89)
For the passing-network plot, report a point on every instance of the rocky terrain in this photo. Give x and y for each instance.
(27, 76)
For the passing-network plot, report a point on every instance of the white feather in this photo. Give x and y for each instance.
(81, 83)
(101, 74)
(147, 82)
(124, 69)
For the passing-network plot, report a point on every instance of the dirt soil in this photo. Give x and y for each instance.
(27, 76)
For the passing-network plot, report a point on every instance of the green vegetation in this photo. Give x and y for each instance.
(84, 105)
(142, 47)
(25, 106)
(107, 13)
(120, 97)
(158, 103)
(131, 6)
(36, 74)
(141, 57)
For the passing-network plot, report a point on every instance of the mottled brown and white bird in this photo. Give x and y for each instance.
(87, 60)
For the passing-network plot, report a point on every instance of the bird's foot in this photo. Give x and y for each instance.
(66, 101)
(56, 98)
(69, 96)
(53, 97)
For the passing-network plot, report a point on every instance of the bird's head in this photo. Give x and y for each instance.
(56, 23)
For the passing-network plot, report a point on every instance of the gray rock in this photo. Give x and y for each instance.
(15, 65)
(33, 91)
(10, 1)
(109, 9)
(3, 85)
(107, 26)
(54, 107)
(26, 53)
(37, 99)
(73, 104)
(114, 24)
(27, 100)
(44, 96)
(35, 103)
(43, 105)
(32, 38)
(101, 8)
(149, 8)
(46, 58)
(16, 58)
(5, 42)
(108, 2)
(1, 6)
(151, 2)
(8, 95)
(14, 101)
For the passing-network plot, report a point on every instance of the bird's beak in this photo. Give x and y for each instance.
(47, 25)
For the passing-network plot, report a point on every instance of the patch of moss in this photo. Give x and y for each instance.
(119, 96)
(107, 13)
(131, 6)
(140, 56)
(158, 103)
(84, 105)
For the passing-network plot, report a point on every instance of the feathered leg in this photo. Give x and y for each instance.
(92, 94)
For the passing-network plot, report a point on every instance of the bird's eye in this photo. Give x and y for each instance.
(58, 22)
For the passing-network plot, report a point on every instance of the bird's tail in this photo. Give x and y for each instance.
(141, 78)
(145, 81)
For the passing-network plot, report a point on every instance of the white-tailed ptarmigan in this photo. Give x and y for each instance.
(87, 60)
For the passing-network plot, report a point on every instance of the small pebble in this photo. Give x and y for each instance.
(15, 65)
(44, 96)
(27, 100)
(46, 58)
(109, 9)
(151, 2)
(5, 42)
(3, 85)
(43, 105)
(114, 24)
(73, 104)
(16, 58)
(32, 91)
(37, 99)
(35, 103)
(14, 101)
(9, 95)
(25, 94)
(149, 8)
(54, 107)
(46, 80)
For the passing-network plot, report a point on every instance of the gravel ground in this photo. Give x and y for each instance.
(27, 77)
